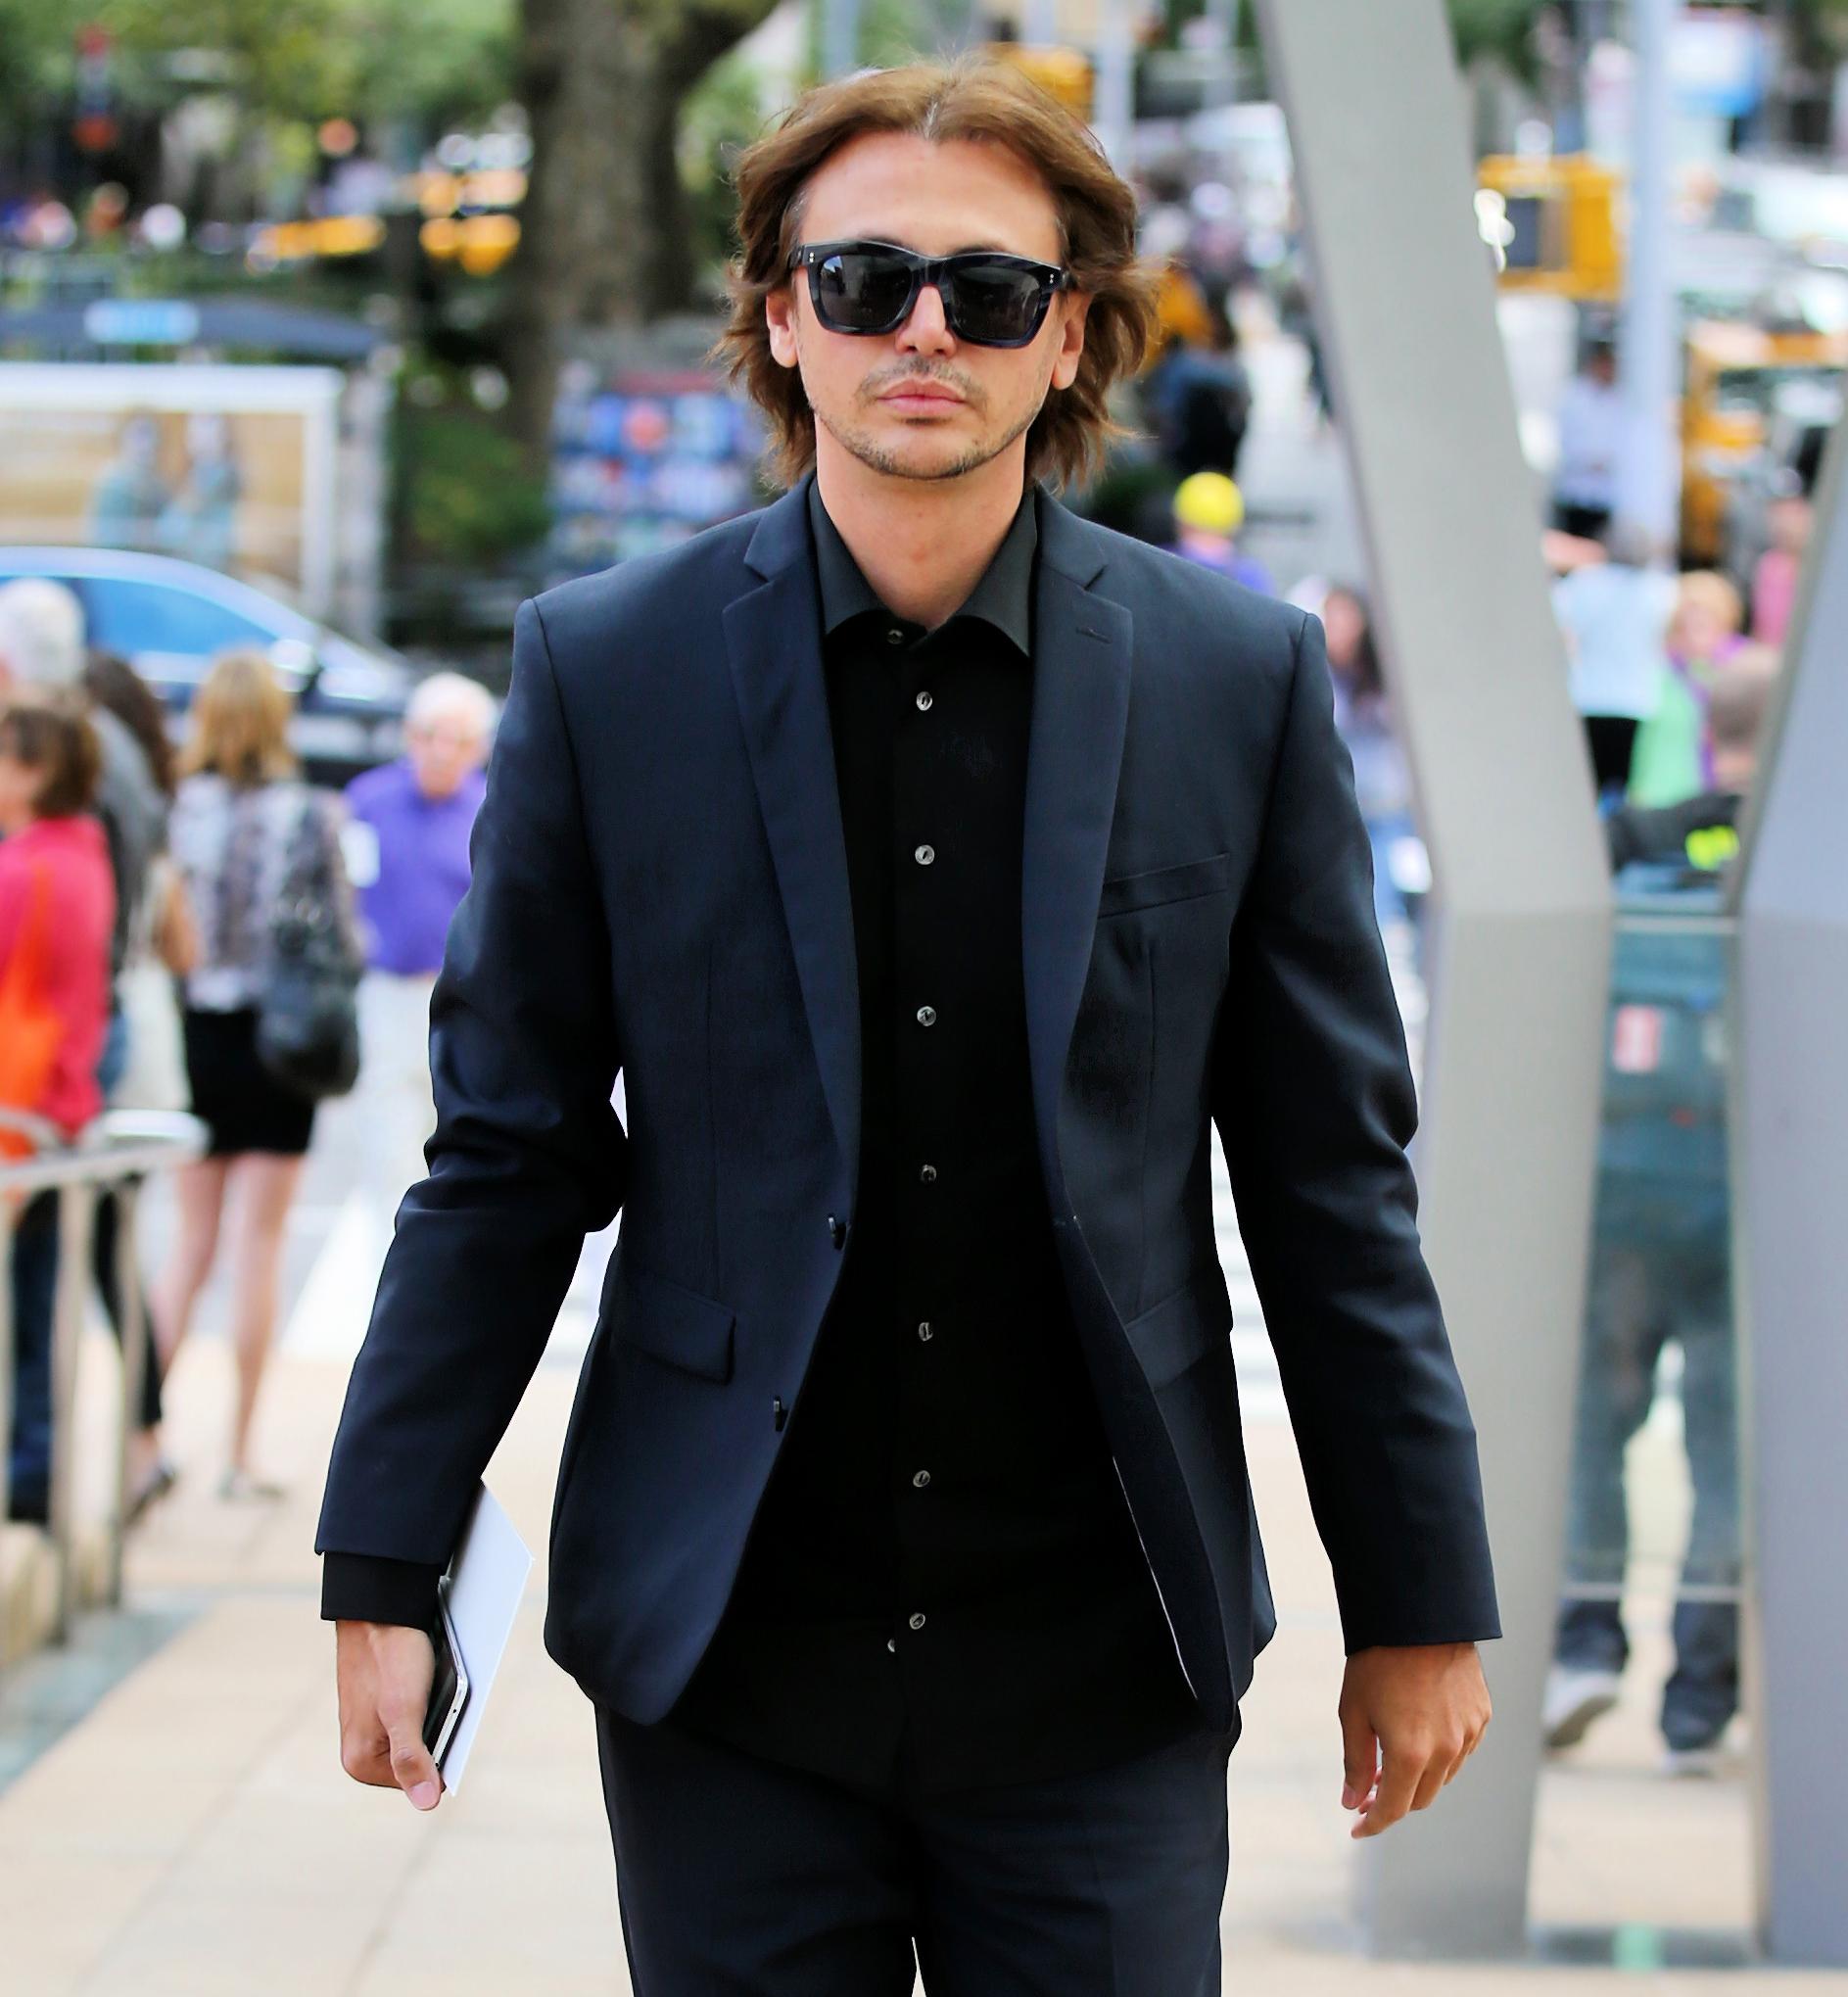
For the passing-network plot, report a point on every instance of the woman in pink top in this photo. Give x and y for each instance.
(49, 761)
(1775, 575)
(57, 906)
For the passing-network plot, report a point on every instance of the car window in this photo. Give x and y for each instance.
(135, 617)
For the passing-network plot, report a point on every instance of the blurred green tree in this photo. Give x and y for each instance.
(1501, 31)
(37, 50)
(307, 60)
(604, 236)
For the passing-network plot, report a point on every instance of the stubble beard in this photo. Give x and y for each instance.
(878, 456)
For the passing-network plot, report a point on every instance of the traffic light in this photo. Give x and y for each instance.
(1551, 224)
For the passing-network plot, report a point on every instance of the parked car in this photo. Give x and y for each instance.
(170, 619)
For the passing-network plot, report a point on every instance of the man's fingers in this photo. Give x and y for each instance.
(412, 1770)
(1360, 1759)
(1400, 1775)
(1470, 1745)
(1431, 1782)
(1456, 1767)
(369, 1760)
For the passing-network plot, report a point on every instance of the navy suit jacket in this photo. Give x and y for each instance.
(660, 888)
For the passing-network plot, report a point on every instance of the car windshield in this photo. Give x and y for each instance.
(137, 617)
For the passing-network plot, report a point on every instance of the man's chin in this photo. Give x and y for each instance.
(935, 452)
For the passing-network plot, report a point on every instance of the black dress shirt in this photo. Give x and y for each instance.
(944, 1579)
(944, 1582)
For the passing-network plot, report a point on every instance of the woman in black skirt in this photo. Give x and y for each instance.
(245, 833)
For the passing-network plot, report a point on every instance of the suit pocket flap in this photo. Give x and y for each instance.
(1182, 1328)
(1165, 883)
(677, 1326)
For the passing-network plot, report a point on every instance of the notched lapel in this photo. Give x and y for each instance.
(1081, 674)
(773, 637)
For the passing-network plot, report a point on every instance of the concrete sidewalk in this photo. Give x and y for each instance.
(193, 1832)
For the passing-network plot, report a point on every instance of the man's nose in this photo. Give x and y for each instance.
(927, 330)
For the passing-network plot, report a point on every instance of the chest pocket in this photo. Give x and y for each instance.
(1188, 882)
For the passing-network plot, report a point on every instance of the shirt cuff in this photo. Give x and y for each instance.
(367, 1588)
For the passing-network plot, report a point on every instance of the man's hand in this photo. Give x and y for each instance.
(385, 1672)
(1410, 1717)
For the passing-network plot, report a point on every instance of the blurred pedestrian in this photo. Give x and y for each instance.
(57, 909)
(1700, 830)
(1199, 399)
(1296, 319)
(406, 845)
(1789, 519)
(1382, 776)
(1615, 615)
(1671, 759)
(143, 1066)
(41, 645)
(1661, 1268)
(248, 836)
(1208, 512)
(1591, 418)
(1363, 719)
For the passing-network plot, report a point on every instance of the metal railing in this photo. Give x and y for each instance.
(114, 1155)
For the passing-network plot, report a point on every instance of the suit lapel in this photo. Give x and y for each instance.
(1082, 673)
(773, 637)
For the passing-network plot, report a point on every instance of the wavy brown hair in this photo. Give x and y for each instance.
(972, 98)
(48, 729)
(240, 724)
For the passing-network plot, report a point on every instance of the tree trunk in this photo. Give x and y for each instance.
(603, 240)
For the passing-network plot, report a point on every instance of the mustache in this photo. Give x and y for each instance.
(890, 380)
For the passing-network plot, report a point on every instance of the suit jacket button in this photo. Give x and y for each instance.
(837, 1231)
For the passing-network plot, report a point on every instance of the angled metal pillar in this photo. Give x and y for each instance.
(1519, 954)
(1791, 1194)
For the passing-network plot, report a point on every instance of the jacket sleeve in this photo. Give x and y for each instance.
(1313, 1097)
(365, 1587)
(527, 1153)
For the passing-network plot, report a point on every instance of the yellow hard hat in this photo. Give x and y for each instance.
(1210, 503)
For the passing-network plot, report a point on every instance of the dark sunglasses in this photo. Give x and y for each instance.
(991, 299)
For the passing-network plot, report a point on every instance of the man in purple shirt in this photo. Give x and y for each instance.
(406, 848)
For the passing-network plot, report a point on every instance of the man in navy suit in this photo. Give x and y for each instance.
(937, 870)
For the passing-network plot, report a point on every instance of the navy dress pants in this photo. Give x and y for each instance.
(739, 1877)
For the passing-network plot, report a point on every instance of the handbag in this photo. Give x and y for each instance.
(162, 947)
(155, 1074)
(307, 1022)
(30, 1031)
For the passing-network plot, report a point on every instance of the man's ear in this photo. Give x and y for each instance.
(1070, 339)
(780, 318)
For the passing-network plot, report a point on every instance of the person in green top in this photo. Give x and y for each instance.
(1672, 759)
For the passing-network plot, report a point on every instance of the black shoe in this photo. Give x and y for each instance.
(29, 1504)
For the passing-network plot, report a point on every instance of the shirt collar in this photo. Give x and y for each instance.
(1003, 598)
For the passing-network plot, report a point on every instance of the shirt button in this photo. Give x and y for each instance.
(917, 1622)
(929, 1174)
(891, 1644)
(894, 636)
(924, 855)
(924, 1333)
(925, 702)
(837, 1231)
(927, 1016)
(921, 1481)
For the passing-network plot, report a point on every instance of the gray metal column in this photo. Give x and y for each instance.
(1519, 955)
(1649, 477)
(1790, 1200)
